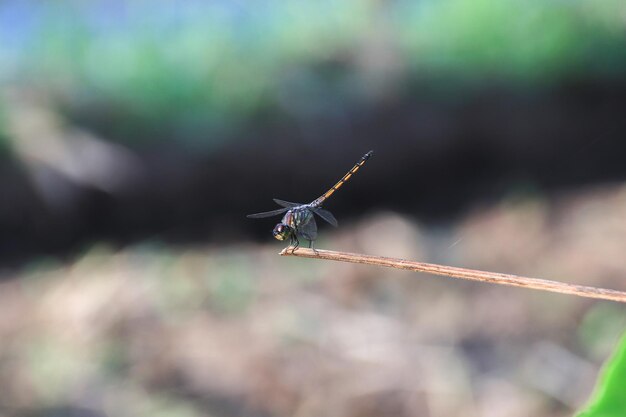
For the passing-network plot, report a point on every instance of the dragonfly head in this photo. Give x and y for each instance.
(282, 231)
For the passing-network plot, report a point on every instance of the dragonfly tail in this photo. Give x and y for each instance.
(318, 202)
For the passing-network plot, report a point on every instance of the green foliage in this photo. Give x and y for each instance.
(519, 39)
(5, 146)
(601, 328)
(609, 399)
(153, 70)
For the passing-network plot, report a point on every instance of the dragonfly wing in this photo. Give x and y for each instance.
(308, 230)
(284, 203)
(326, 215)
(267, 213)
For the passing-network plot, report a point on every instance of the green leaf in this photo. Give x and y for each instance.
(609, 398)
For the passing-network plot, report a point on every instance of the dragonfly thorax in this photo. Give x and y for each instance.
(297, 217)
(282, 231)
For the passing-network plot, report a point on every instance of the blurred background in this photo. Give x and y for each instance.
(136, 135)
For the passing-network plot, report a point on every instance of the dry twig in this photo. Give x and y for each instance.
(455, 272)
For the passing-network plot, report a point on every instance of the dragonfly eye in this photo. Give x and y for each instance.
(281, 231)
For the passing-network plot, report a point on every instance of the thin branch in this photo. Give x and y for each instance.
(463, 273)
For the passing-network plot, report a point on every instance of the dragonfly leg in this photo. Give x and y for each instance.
(295, 238)
(311, 246)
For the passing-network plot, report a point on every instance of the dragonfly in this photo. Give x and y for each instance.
(298, 220)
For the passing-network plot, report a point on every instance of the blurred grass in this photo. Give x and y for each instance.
(184, 69)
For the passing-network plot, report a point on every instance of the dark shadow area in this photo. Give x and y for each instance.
(435, 155)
